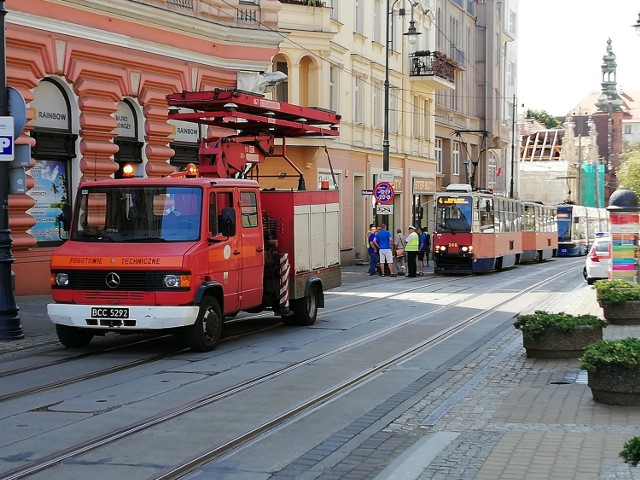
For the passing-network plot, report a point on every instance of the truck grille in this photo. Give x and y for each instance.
(116, 281)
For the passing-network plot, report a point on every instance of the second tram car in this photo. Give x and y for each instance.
(578, 226)
(539, 232)
(475, 231)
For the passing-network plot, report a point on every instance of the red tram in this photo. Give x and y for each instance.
(539, 232)
(477, 231)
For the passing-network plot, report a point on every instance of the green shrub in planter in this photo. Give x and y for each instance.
(631, 451)
(616, 290)
(536, 323)
(603, 353)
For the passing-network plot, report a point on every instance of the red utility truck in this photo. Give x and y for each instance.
(181, 253)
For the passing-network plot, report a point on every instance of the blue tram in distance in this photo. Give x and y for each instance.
(578, 226)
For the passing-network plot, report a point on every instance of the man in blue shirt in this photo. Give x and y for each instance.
(384, 240)
(374, 257)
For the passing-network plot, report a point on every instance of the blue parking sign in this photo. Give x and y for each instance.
(6, 139)
(6, 145)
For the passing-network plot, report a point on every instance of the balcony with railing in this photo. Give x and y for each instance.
(309, 3)
(238, 13)
(434, 70)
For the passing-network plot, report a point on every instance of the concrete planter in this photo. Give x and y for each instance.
(625, 313)
(616, 385)
(554, 343)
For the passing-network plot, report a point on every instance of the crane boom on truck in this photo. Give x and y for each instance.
(184, 252)
(254, 122)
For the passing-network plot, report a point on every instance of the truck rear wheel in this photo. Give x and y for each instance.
(206, 331)
(73, 337)
(305, 309)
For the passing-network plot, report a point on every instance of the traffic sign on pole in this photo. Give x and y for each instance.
(6, 139)
(385, 177)
(383, 192)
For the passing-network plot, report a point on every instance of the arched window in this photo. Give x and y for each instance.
(53, 153)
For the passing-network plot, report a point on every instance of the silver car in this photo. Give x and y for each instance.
(598, 260)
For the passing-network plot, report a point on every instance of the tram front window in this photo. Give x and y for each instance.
(453, 214)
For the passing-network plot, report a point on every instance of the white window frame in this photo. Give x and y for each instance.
(438, 152)
(358, 86)
(378, 98)
(334, 88)
(455, 158)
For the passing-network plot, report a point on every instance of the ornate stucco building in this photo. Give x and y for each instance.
(95, 76)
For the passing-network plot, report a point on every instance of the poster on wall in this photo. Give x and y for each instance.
(50, 194)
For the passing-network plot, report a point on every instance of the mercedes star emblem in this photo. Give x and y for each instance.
(113, 280)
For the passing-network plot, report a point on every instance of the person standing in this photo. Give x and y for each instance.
(399, 255)
(385, 239)
(422, 248)
(373, 249)
(412, 248)
(428, 244)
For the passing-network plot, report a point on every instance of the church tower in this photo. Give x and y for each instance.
(608, 120)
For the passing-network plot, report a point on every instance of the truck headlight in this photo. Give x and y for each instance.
(172, 280)
(61, 279)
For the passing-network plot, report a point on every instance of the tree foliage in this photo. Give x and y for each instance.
(544, 118)
(629, 171)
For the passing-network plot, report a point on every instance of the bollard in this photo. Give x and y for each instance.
(624, 224)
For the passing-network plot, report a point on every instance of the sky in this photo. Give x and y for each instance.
(560, 49)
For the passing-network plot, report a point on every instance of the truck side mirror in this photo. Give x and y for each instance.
(228, 223)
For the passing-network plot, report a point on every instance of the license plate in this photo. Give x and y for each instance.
(109, 312)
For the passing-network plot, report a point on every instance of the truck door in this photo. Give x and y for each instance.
(224, 252)
(252, 258)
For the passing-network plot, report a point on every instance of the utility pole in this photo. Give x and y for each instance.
(10, 327)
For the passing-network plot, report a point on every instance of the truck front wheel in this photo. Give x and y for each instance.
(305, 309)
(73, 337)
(205, 333)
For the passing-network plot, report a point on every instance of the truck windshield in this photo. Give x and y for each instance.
(453, 213)
(137, 214)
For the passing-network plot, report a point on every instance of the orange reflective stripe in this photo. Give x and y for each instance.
(60, 261)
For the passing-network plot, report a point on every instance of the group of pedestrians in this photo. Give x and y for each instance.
(389, 252)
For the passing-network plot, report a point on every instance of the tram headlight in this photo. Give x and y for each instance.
(466, 249)
(441, 248)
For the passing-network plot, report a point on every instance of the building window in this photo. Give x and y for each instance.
(455, 158)
(438, 155)
(377, 21)
(334, 88)
(357, 97)
(628, 129)
(378, 98)
(282, 89)
(359, 11)
(393, 115)
(492, 171)
(334, 9)
(416, 117)
(426, 118)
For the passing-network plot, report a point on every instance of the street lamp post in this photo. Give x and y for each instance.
(412, 37)
(10, 328)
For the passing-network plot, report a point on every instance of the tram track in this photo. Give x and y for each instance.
(290, 414)
(174, 352)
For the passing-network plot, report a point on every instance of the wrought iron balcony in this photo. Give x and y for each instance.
(310, 3)
(432, 64)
